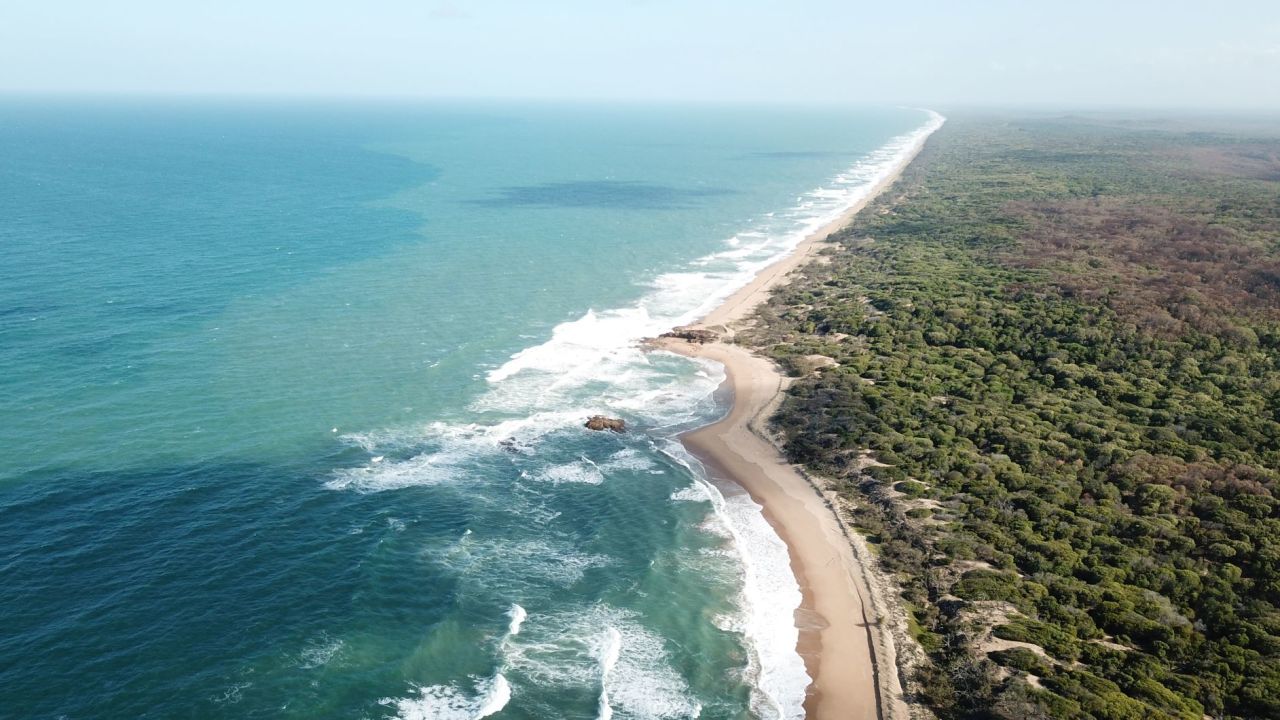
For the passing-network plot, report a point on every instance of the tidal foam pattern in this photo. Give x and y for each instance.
(596, 364)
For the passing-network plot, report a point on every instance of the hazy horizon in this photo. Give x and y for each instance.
(1175, 55)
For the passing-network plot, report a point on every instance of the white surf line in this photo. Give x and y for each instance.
(608, 659)
(517, 615)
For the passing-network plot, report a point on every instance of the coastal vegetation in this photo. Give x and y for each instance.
(1045, 366)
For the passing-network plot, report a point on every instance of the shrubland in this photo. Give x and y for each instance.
(1056, 405)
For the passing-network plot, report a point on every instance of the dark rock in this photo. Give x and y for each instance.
(600, 422)
(513, 446)
(692, 334)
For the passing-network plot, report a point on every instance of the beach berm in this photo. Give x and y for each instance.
(849, 651)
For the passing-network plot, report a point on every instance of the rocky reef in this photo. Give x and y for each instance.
(692, 334)
(600, 422)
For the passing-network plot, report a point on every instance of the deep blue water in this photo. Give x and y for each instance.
(291, 398)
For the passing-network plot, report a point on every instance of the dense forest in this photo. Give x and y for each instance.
(1057, 410)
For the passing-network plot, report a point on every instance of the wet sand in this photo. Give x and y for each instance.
(848, 651)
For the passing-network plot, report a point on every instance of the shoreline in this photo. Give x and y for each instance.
(848, 649)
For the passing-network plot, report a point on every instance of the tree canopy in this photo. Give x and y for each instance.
(1059, 341)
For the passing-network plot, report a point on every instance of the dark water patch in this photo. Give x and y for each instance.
(604, 194)
(15, 324)
(98, 343)
(802, 154)
(161, 207)
(173, 592)
(25, 312)
(160, 308)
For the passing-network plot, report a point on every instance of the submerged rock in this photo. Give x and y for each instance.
(514, 446)
(600, 422)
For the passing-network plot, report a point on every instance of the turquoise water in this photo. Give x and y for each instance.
(291, 399)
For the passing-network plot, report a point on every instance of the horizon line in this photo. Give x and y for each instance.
(956, 106)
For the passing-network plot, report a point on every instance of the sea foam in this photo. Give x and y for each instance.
(609, 650)
(518, 616)
(448, 702)
(595, 364)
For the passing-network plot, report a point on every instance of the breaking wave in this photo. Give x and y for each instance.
(527, 430)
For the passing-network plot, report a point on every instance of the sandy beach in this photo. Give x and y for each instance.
(848, 651)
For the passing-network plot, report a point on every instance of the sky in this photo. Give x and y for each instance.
(1208, 54)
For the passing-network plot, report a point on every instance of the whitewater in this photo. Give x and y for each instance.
(598, 364)
(319, 374)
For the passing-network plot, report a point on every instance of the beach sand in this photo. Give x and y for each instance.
(848, 648)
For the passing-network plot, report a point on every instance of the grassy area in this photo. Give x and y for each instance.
(1064, 335)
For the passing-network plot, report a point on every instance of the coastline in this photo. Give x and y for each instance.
(845, 639)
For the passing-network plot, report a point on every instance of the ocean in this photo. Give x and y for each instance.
(292, 401)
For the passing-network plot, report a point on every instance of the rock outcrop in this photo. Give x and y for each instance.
(692, 334)
(600, 422)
